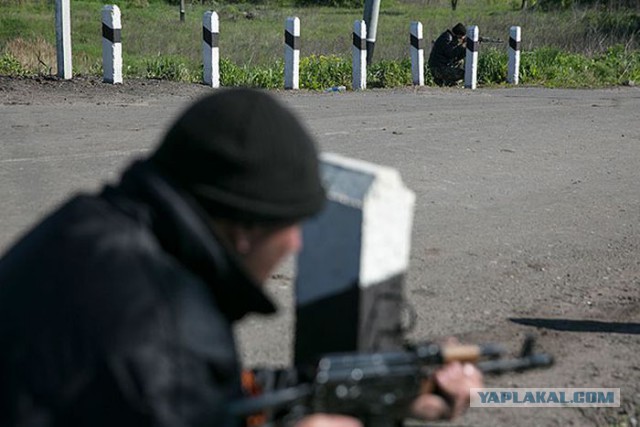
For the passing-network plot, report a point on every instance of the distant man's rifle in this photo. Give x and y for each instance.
(489, 40)
(377, 388)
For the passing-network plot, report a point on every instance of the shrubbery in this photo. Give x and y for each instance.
(10, 66)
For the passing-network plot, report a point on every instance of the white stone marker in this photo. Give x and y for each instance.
(513, 74)
(354, 259)
(359, 50)
(471, 60)
(417, 53)
(63, 38)
(111, 44)
(292, 53)
(210, 49)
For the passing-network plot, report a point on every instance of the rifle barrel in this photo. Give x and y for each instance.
(505, 365)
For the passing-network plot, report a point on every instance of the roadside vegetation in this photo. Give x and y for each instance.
(566, 43)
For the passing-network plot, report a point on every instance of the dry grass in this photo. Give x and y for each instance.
(37, 55)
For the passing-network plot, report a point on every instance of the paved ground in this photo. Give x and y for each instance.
(527, 214)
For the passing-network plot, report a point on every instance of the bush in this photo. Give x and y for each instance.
(492, 66)
(257, 76)
(390, 74)
(169, 68)
(10, 66)
(321, 72)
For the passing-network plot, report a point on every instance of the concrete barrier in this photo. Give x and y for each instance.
(63, 39)
(111, 44)
(359, 50)
(417, 53)
(513, 68)
(292, 53)
(210, 49)
(353, 262)
(471, 61)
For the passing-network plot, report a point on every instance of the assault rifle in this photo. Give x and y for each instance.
(489, 40)
(377, 388)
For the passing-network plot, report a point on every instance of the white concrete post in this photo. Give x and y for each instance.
(359, 50)
(111, 44)
(471, 61)
(353, 262)
(63, 38)
(210, 49)
(292, 53)
(513, 74)
(417, 53)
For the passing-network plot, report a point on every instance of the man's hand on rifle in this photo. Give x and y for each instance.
(452, 382)
(326, 420)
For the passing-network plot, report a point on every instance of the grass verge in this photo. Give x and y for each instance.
(572, 48)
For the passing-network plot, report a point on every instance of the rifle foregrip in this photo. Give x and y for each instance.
(470, 353)
(461, 353)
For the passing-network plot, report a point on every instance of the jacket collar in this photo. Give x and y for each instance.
(181, 229)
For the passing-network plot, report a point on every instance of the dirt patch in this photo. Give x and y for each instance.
(52, 90)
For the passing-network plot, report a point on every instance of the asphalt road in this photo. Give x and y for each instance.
(526, 220)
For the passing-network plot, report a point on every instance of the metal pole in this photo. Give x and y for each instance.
(181, 10)
(371, 12)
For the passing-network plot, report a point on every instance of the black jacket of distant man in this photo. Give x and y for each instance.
(447, 51)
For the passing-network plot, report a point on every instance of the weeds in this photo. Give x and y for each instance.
(390, 74)
(10, 66)
(35, 56)
(168, 68)
(321, 72)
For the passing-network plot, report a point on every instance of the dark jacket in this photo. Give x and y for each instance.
(116, 310)
(446, 51)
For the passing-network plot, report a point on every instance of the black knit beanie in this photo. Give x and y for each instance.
(243, 156)
(459, 30)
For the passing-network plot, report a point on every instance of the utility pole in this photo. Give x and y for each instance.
(371, 12)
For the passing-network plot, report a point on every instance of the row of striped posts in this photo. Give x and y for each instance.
(112, 51)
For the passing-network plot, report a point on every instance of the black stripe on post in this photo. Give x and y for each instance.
(416, 42)
(292, 41)
(113, 35)
(513, 44)
(209, 38)
(358, 42)
(472, 46)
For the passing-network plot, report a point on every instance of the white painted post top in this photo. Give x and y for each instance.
(386, 204)
(111, 15)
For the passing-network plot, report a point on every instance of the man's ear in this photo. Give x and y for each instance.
(235, 236)
(242, 240)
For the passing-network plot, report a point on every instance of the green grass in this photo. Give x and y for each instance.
(576, 47)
